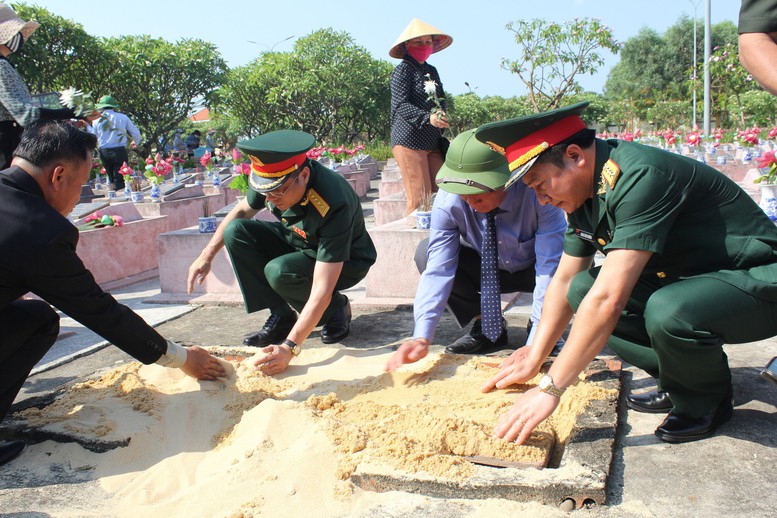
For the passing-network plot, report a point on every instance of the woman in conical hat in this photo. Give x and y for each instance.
(418, 110)
(16, 105)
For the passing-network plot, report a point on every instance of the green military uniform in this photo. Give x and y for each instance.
(274, 261)
(712, 278)
(758, 16)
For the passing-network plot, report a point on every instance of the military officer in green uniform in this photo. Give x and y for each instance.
(300, 263)
(690, 264)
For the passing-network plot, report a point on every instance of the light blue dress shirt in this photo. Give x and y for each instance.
(527, 233)
(114, 133)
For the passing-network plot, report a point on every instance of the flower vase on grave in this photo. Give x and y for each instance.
(107, 183)
(747, 157)
(156, 193)
(137, 196)
(216, 180)
(127, 191)
(768, 201)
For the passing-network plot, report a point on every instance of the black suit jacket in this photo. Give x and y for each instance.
(38, 255)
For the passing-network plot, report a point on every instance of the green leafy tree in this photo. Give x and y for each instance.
(552, 55)
(729, 80)
(158, 82)
(757, 106)
(327, 85)
(60, 54)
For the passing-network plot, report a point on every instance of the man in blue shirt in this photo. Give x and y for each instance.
(529, 241)
(113, 130)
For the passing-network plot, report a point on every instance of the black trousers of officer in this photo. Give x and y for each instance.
(113, 158)
(273, 274)
(464, 300)
(28, 329)
(675, 332)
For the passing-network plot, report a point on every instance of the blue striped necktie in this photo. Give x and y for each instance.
(490, 303)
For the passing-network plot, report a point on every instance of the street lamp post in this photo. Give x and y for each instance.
(271, 48)
(695, 60)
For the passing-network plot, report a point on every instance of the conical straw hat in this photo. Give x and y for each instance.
(10, 24)
(415, 29)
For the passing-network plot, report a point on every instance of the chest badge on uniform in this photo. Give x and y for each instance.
(610, 173)
(301, 233)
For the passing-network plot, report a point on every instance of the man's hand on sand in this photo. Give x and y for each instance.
(517, 368)
(200, 364)
(272, 359)
(409, 352)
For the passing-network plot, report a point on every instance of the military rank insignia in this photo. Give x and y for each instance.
(610, 173)
(321, 206)
(301, 233)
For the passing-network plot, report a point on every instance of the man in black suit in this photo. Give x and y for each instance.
(38, 255)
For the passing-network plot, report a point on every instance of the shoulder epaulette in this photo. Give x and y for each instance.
(322, 207)
(610, 173)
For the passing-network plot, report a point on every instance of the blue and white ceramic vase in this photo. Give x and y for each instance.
(156, 193)
(207, 224)
(137, 196)
(768, 201)
(216, 180)
(423, 219)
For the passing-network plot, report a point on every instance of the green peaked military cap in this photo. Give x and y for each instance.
(523, 139)
(107, 101)
(274, 156)
(472, 167)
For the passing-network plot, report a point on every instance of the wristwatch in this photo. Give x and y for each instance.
(546, 385)
(294, 346)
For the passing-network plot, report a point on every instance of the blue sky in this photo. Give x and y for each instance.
(480, 39)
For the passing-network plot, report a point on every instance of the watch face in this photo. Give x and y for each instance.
(545, 382)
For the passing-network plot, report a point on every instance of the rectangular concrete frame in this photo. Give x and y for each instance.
(580, 476)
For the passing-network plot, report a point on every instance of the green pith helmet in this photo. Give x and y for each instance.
(472, 167)
(107, 101)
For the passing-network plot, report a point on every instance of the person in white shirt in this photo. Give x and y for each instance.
(113, 130)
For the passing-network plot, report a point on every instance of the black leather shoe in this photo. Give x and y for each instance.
(338, 326)
(9, 450)
(475, 342)
(678, 428)
(653, 402)
(275, 330)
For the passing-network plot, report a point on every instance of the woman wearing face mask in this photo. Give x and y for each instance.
(416, 121)
(16, 107)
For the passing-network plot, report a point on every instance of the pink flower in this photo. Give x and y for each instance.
(93, 216)
(118, 221)
(206, 160)
(773, 132)
(149, 160)
(767, 159)
(245, 169)
(236, 155)
(693, 138)
(125, 170)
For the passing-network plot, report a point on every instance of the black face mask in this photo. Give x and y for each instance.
(15, 43)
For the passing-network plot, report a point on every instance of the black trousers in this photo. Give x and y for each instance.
(113, 158)
(28, 329)
(464, 301)
(10, 135)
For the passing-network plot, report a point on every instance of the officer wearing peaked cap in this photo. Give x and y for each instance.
(528, 239)
(318, 246)
(690, 264)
